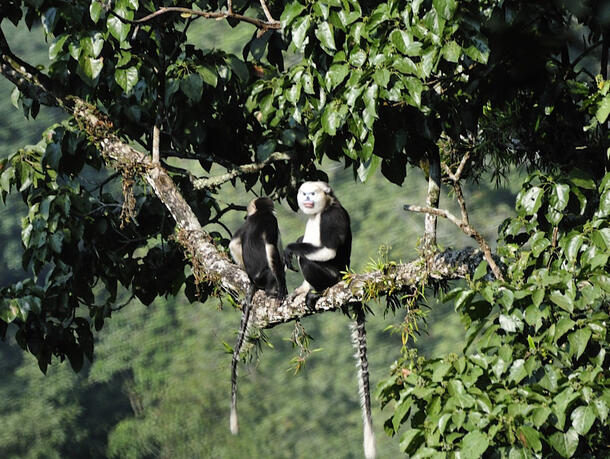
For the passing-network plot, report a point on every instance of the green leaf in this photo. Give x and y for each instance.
(404, 43)
(407, 438)
(601, 409)
(560, 195)
(530, 201)
(333, 117)
(239, 68)
(517, 371)
(581, 179)
(210, 77)
(368, 168)
(57, 46)
(561, 300)
(116, 27)
(9, 310)
(530, 438)
(578, 341)
(126, 78)
(478, 52)
(538, 296)
(95, 10)
(583, 418)
(15, 95)
(474, 444)
(571, 245)
(382, 77)
(445, 8)
(405, 65)
(192, 87)
(480, 271)
(335, 75)
(463, 299)
(415, 88)
(604, 204)
(264, 150)
(292, 11)
(439, 370)
(299, 32)
(601, 238)
(93, 44)
(540, 415)
(49, 19)
(357, 57)
(325, 34)
(90, 68)
(602, 281)
(452, 51)
(456, 390)
(603, 109)
(369, 113)
(565, 443)
(510, 324)
(428, 62)
(401, 410)
(564, 325)
(55, 241)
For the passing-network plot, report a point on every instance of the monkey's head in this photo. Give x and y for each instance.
(313, 197)
(261, 205)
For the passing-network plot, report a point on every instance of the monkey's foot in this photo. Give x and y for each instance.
(311, 299)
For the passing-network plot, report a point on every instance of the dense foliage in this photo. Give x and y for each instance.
(533, 378)
(374, 86)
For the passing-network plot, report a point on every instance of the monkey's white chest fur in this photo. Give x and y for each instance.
(312, 236)
(312, 230)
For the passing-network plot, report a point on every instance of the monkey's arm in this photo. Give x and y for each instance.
(310, 251)
(275, 260)
(235, 247)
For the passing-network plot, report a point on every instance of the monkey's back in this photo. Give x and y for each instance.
(263, 229)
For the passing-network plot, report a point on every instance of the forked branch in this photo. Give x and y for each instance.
(466, 229)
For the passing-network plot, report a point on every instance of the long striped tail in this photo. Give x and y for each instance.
(359, 342)
(243, 326)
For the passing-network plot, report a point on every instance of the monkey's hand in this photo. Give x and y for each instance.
(289, 254)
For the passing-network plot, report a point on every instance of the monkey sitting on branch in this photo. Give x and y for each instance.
(256, 246)
(323, 253)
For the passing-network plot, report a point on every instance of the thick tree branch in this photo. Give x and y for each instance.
(214, 182)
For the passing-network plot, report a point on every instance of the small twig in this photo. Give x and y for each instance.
(274, 25)
(432, 198)
(155, 142)
(266, 11)
(455, 179)
(214, 182)
(466, 229)
(121, 306)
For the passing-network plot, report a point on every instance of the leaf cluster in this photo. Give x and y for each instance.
(533, 379)
(77, 251)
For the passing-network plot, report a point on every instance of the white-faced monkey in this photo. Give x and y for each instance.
(325, 248)
(323, 253)
(257, 248)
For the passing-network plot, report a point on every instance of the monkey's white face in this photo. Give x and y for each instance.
(312, 197)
